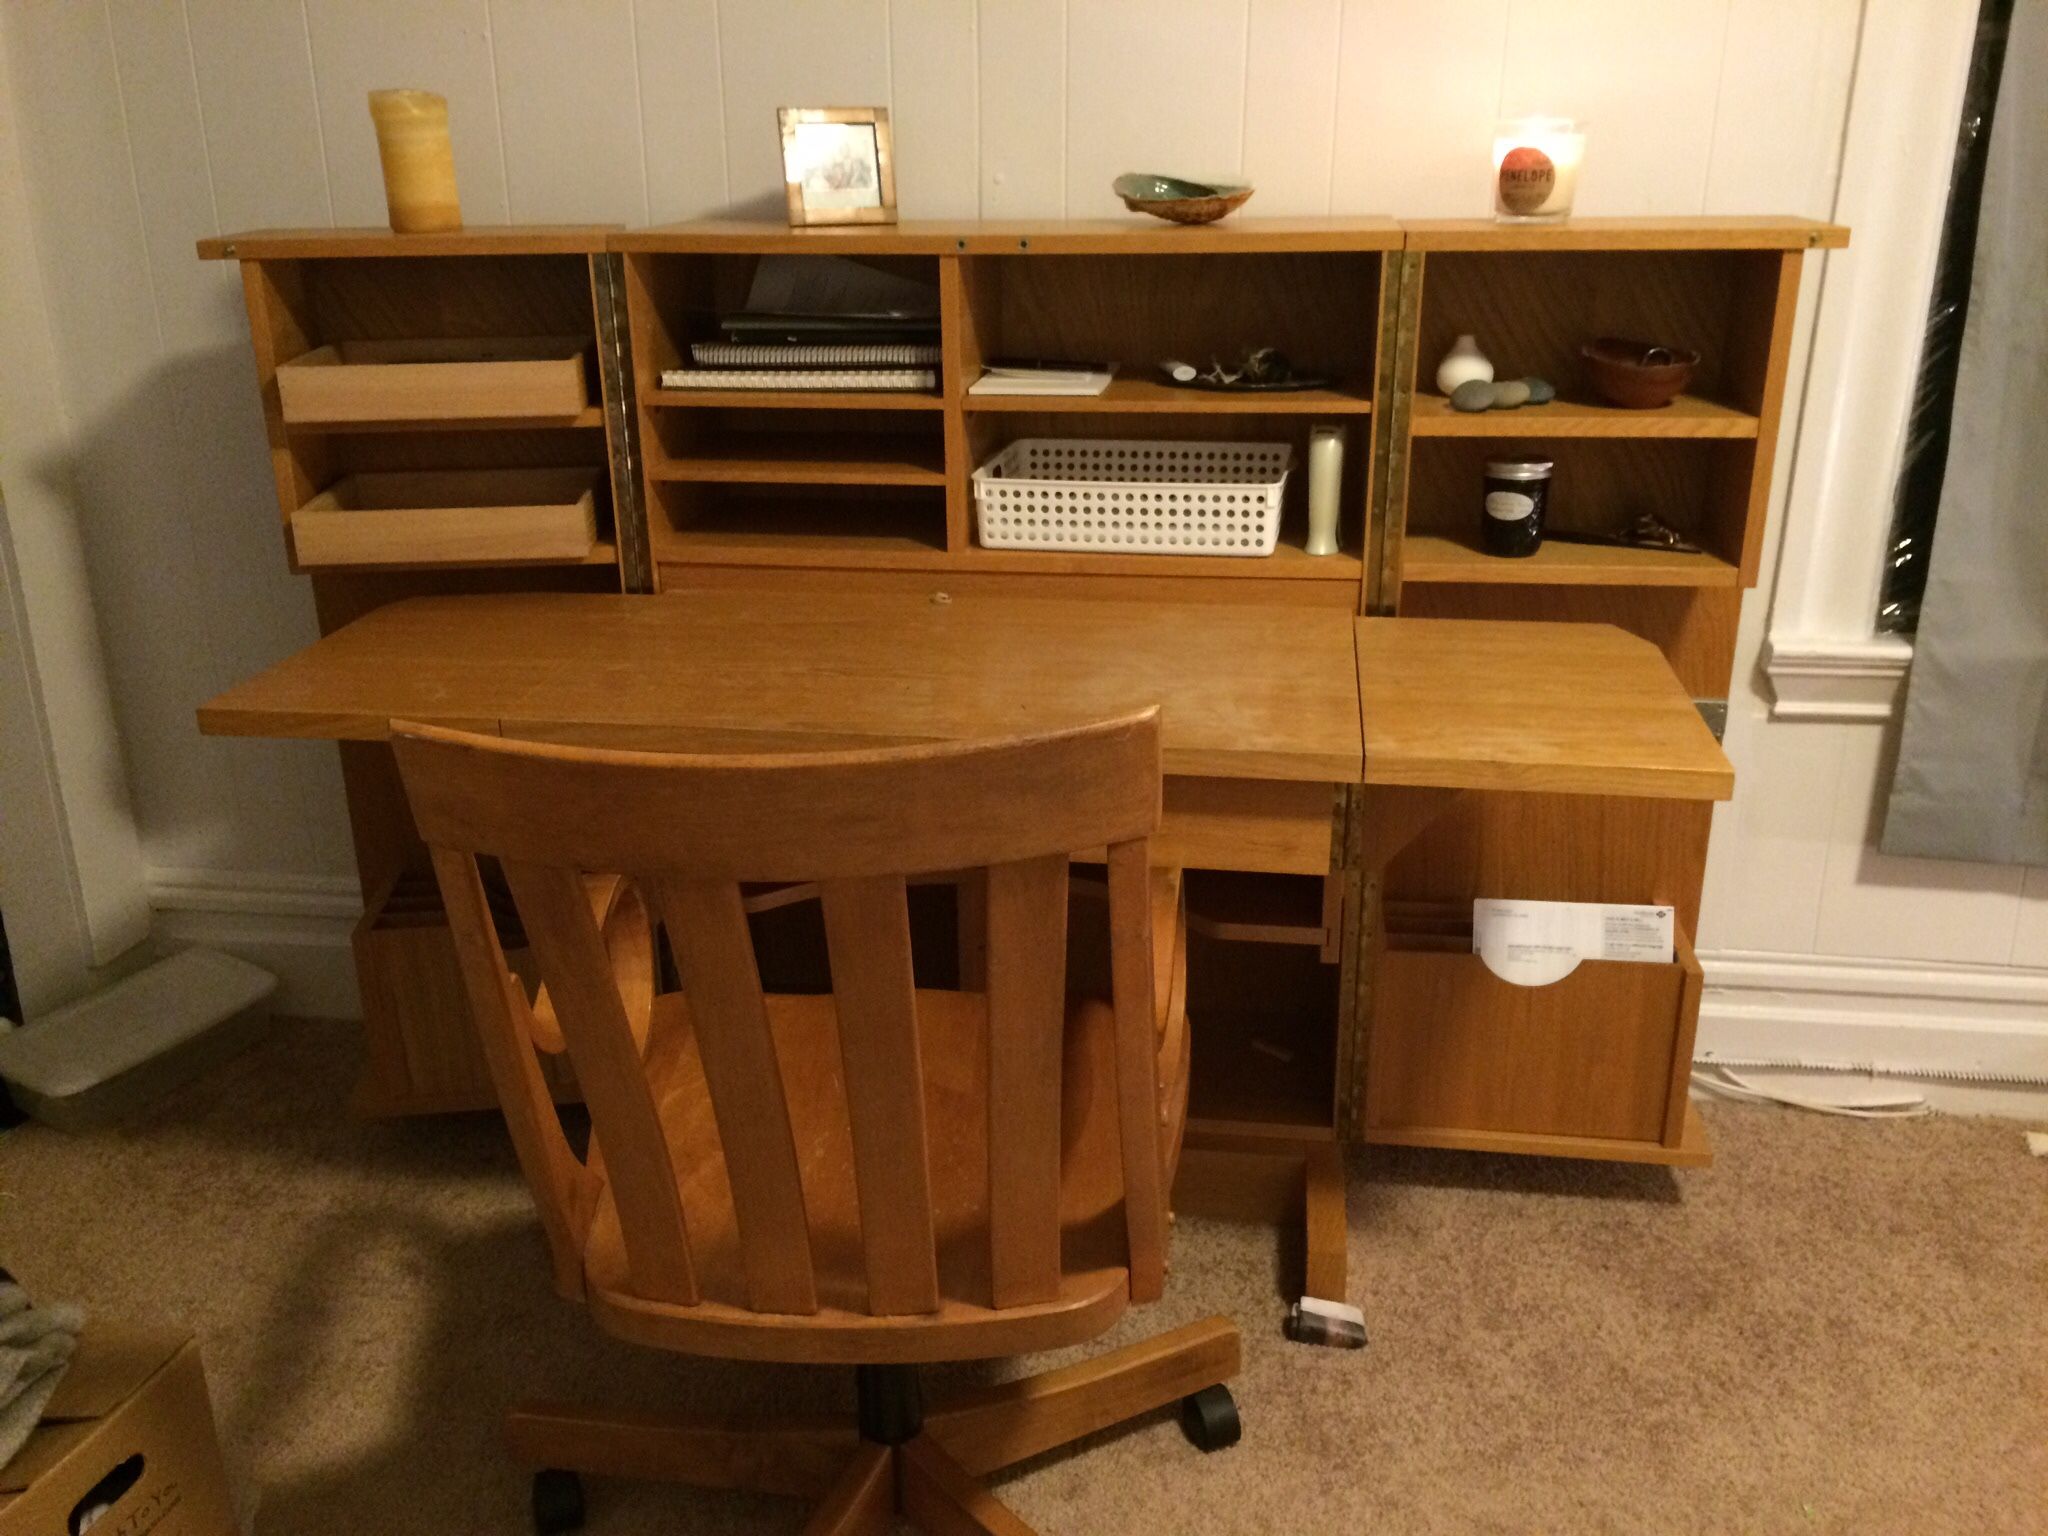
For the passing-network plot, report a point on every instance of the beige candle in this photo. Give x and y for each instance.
(419, 162)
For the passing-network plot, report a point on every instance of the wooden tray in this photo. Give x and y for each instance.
(450, 517)
(472, 379)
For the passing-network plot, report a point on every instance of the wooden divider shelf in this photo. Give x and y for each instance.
(1687, 416)
(1144, 396)
(1436, 557)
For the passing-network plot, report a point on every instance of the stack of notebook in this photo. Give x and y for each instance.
(820, 322)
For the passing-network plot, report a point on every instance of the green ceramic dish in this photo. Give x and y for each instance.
(1177, 199)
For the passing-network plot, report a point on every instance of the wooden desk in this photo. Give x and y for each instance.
(1260, 735)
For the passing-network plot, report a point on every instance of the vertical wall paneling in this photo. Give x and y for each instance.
(1152, 85)
(1644, 79)
(2030, 937)
(934, 109)
(1290, 103)
(682, 108)
(794, 55)
(360, 46)
(143, 125)
(569, 103)
(254, 68)
(1778, 122)
(1418, 91)
(1021, 64)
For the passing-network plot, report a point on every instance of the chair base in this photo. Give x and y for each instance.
(930, 1479)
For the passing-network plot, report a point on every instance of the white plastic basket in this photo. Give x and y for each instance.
(1133, 496)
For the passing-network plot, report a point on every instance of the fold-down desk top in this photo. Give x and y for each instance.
(1514, 705)
(1247, 691)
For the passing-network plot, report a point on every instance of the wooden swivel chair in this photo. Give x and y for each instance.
(876, 1177)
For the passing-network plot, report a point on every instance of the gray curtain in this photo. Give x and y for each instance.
(1972, 778)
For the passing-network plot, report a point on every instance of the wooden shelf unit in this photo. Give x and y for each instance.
(1532, 295)
(1110, 291)
(381, 356)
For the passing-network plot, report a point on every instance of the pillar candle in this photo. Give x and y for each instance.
(1536, 167)
(419, 163)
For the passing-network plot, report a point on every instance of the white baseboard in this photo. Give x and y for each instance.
(295, 926)
(1957, 1024)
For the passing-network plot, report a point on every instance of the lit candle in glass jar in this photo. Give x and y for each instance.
(1536, 167)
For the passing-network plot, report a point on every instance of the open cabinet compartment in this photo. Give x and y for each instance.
(1319, 308)
(796, 524)
(1698, 487)
(1602, 1056)
(675, 298)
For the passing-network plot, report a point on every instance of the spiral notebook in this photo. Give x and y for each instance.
(799, 378)
(738, 354)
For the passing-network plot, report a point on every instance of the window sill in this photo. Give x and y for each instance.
(1837, 679)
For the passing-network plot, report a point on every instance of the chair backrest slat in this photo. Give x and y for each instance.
(867, 930)
(570, 951)
(551, 1168)
(1137, 1055)
(714, 951)
(1027, 971)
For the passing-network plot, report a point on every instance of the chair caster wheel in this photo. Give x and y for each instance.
(1209, 1419)
(557, 1502)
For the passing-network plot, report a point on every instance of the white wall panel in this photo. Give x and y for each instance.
(682, 108)
(1418, 91)
(361, 46)
(1290, 104)
(1152, 85)
(569, 104)
(807, 53)
(1905, 909)
(2030, 935)
(1778, 121)
(1643, 75)
(254, 65)
(1023, 89)
(1769, 856)
(935, 115)
(141, 132)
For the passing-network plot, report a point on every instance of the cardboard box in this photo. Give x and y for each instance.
(129, 1427)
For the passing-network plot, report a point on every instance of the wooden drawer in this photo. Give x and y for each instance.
(469, 379)
(450, 517)
(1593, 1065)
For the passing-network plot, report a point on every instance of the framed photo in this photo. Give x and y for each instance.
(837, 166)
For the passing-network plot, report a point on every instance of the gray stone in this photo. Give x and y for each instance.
(1472, 395)
(1541, 391)
(1509, 395)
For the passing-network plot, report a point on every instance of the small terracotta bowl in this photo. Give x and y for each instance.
(1635, 374)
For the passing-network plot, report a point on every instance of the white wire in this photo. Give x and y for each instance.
(1730, 1083)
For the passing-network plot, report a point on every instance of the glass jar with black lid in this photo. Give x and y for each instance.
(1517, 497)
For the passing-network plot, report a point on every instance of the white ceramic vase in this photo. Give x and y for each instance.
(1325, 482)
(1462, 364)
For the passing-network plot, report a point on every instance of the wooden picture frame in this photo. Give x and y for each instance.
(801, 167)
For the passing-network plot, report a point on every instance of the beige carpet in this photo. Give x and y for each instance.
(1839, 1327)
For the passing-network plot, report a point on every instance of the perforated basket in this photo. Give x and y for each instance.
(1133, 496)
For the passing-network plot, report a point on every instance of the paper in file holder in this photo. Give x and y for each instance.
(1534, 943)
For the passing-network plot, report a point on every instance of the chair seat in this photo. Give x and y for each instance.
(953, 1044)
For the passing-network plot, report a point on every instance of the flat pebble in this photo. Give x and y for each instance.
(1472, 395)
(1509, 395)
(1541, 391)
